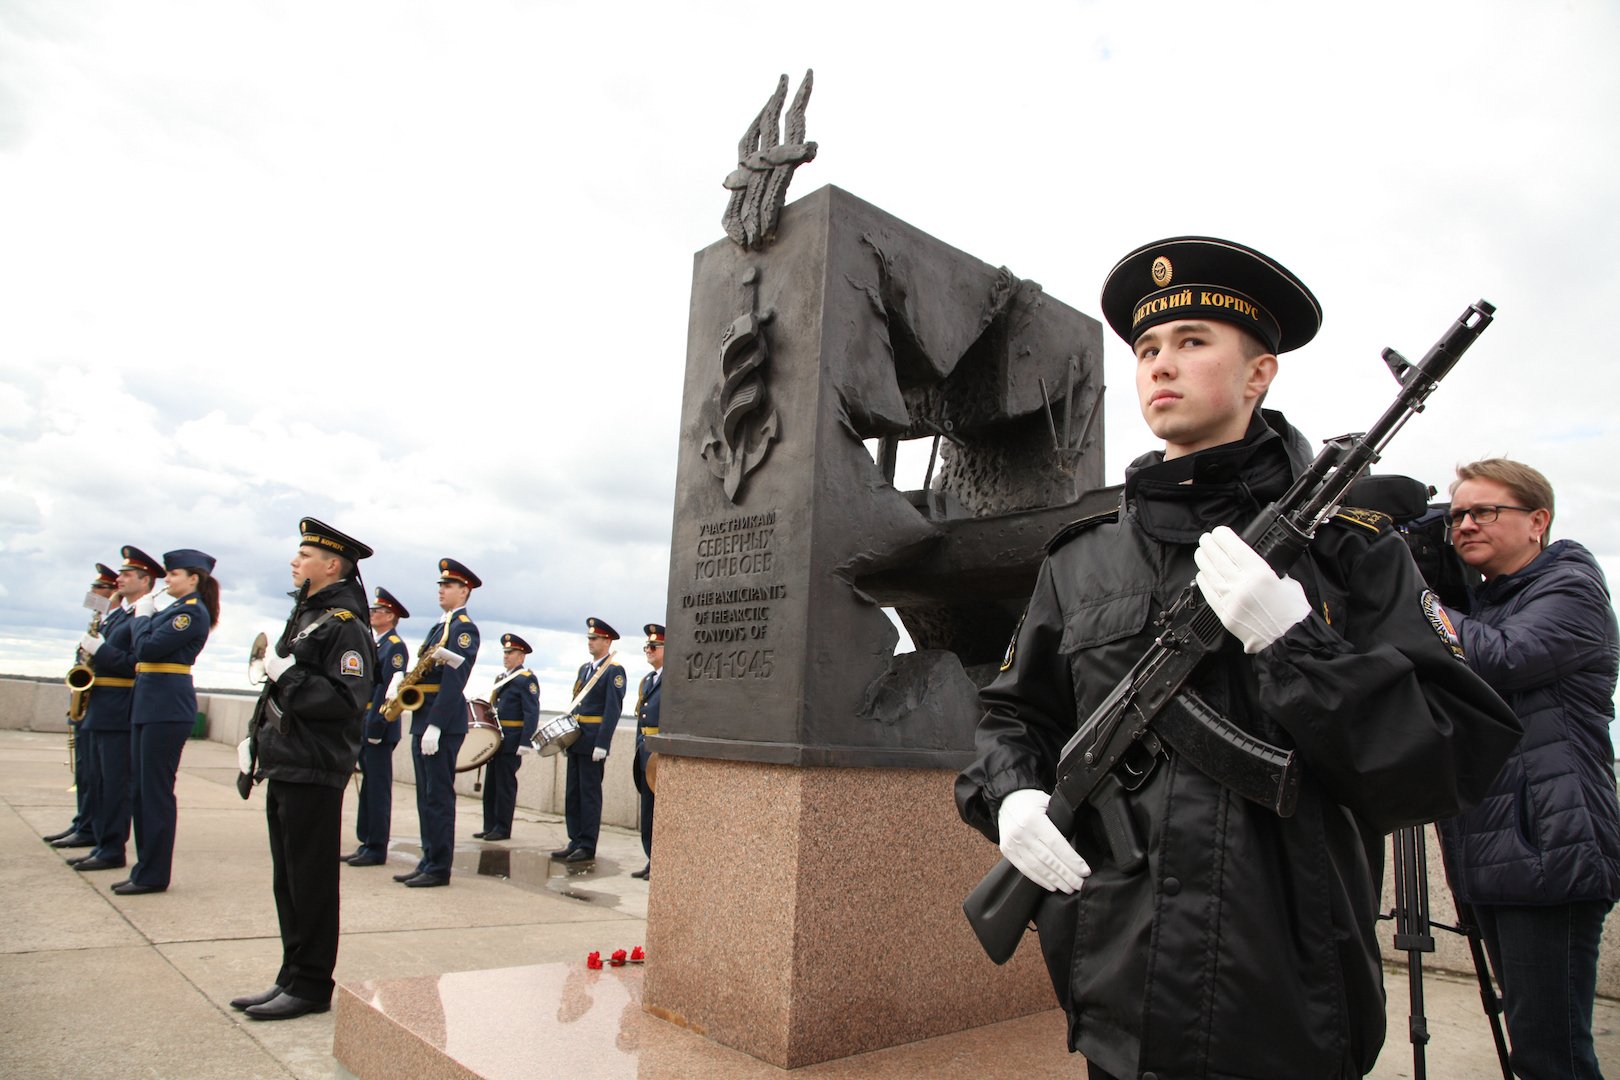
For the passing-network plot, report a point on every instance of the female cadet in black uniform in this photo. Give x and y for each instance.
(1245, 947)
(164, 710)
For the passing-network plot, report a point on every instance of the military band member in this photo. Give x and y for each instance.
(516, 696)
(439, 727)
(86, 789)
(305, 738)
(374, 819)
(112, 654)
(166, 644)
(648, 698)
(598, 715)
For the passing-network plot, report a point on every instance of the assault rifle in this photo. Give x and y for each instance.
(1152, 708)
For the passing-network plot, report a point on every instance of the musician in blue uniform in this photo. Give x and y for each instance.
(166, 644)
(440, 725)
(374, 819)
(86, 789)
(598, 714)
(516, 696)
(112, 653)
(648, 700)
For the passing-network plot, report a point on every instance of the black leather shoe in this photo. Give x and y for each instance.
(479, 835)
(407, 875)
(82, 839)
(497, 836)
(284, 1007)
(562, 853)
(579, 855)
(427, 881)
(118, 883)
(129, 888)
(365, 860)
(350, 857)
(255, 999)
(96, 864)
(55, 836)
(645, 873)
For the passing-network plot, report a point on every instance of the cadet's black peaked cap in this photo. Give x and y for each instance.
(601, 629)
(318, 534)
(512, 641)
(452, 571)
(385, 599)
(1200, 277)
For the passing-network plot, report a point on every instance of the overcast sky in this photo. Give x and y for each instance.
(422, 269)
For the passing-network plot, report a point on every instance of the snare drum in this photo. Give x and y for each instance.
(483, 736)
(556, 735)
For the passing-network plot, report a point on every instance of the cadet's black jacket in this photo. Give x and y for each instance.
(1245, 948)
(323, 697)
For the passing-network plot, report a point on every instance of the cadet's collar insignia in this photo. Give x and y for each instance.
(1441, 623)
(1163, 272)
(181, 621)
(1374, 520)
(351, 664)
(465, 640)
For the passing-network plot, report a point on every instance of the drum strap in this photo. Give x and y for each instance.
(601, 669)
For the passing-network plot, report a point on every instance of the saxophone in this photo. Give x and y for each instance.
(80, 678)
(409, 697)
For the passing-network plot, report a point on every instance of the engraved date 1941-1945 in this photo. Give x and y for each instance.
(738, 664)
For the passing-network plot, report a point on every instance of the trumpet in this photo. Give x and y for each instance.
(409, 698)
(257, 675)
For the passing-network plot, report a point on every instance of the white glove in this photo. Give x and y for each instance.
(146, 605)
(90, 643)
(276, 666)
(1034, 846)
(525, 748)
(430, 740)
(1252, 602)
(244, 756)
(447, 656)
(599, 754)
(393, 686)
(373, 742)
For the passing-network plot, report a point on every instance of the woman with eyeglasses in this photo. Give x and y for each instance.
(166, 643)
(1539, 858)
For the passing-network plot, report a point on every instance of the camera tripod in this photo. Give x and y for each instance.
(1412, 925)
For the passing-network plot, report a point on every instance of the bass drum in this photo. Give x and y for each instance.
(483, 736)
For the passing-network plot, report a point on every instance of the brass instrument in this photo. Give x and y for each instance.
(81, 676)
(409, 698)
(257, 675)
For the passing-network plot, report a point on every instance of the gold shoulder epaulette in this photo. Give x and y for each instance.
(463, 618)
(1371, 520)
(393, 639)
(189, 600)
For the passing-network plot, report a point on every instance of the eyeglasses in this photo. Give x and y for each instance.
(650, 647)
(1483, 514)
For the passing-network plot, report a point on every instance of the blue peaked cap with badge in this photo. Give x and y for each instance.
(450, 570)
(386, 599)
(654, 632)
(512, 641)
(136, 559)
(601, 629)
(1204, 277)
(188, 559)
(106, 577)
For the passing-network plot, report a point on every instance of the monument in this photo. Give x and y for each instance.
(810, 862)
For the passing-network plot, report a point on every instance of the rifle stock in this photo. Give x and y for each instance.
(1152, 707)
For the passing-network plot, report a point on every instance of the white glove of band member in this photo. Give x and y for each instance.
(393, 686)
(1253, 603)
(373, 742)
(448, 656)
(276, 666)
(599, 754)
(1034, 846)
(430, 740)
(525, 748)
(146, 605)
(90, 643)
(244, 756)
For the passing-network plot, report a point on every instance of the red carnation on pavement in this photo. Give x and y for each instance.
(618, 958)
(594, 961)
(637, 955)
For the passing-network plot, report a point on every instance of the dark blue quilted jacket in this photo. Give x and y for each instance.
(1549, 831)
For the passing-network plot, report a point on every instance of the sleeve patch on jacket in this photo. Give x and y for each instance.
(465, 640)
(1441, 622)
(399, 661)
(181, 622)
(351, 664)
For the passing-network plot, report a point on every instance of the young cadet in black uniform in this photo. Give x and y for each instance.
(439, 727)
(598, 716)
(81, 832)
(1245, 947)
(516, 697)
(112, 654)
(306, 734)
(374, 819)
(648, 700)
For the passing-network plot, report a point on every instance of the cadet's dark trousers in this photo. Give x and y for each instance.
(86, 789)
(111, 826)
(436, 802)
(582, 802)
(374, 818)
(306, 829)
(638, 773)
(500, 791)
(154, 761)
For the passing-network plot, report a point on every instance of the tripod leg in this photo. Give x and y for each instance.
(1469, 927)
(1412, 935)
